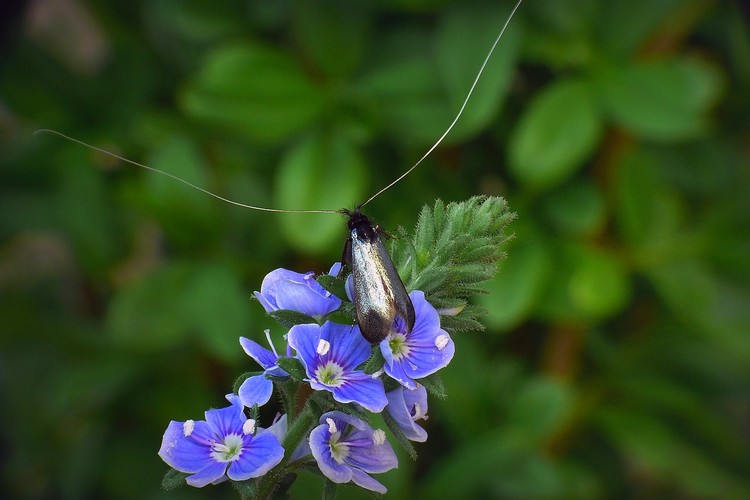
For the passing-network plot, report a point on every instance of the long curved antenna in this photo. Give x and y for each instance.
(460, 111)
(226, 200)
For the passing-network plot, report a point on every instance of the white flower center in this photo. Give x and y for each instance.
(397, 344)
(229, 450)
(330, 374)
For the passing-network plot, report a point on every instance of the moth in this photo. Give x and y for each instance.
(379, 294)
(380, 297)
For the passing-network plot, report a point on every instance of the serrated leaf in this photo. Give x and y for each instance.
(292, 366)
(401, 439)
(434, 385)
(289, 318)
(173, 479)
(557, 133)
(333, 284)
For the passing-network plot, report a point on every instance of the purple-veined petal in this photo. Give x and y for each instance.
(255, 390)
(401, 404)
(265, 301)
(308, 297)
(304, 340)
(423, 351)
(285, 289)
(264, 357)
(368, 392)
(370, 457)
(364, 480)
(348, 347)
(226, 420)
(213, 472)
(320, 446)
(261, 454)
(186, 454)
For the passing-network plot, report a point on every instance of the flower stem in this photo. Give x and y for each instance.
(296, 432)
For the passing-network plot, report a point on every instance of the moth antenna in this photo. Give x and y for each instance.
(460, 111)
(190, 184)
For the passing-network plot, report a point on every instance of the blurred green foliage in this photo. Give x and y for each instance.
(616, 361)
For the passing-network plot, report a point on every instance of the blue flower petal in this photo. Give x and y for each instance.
(370, 457)
(361, 388)
(285, 289)
(226, 420)
(361, 478)
(429, 348)
(264, 357)
(266, 302)
(400, 405)
(348, 347)
(255, 390)
(304, 340)
(212, 473)
(320, 446)
(182, 453)
(261, 454)
(359, 454)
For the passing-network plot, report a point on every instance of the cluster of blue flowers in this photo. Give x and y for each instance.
(229, 445)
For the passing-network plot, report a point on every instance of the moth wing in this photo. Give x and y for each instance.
(401, 300)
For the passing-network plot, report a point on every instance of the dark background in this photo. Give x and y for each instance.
(616, 361)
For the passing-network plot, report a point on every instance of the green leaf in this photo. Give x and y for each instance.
(623, 30)
(288, 318)
(648, 209)
(333, 34)
(457, 250)
(333, 284)
(588, 285)
(401, 439)
(434, 385)
(173, 479)
(405, 92)
(292, 366)
(149, 314)
(216, 308)
(253, 90)
(539, 410)
(660, 100)
(459, 58)
(576, 209)
(324, 171)
(513, 293)
(557, 133)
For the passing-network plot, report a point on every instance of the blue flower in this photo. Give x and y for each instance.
(331, 354)
(406, 406)
(222, 446)
(284, 289)
(258, 388)
(421, 352)
(347, 449)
